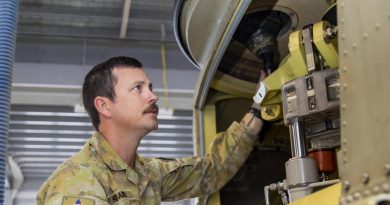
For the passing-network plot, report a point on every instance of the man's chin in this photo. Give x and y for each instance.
(154, 127)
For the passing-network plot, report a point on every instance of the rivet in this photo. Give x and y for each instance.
(377, 26)
(376, 190)
(357, 195)
(346, 186)
(365, 36)
(343, 106)
(345, 160)
(344, 69)
(345, 85)
(365, 178)
(349, 199)
(345, 53)
(344, 141)
(354, 46)
(343, 201)
(344, 123)
(343, 36)
(386, 188)
(366, 193)
(342, 5)
(387, 170)
(345, 150)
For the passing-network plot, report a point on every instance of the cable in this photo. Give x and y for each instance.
(164, 69)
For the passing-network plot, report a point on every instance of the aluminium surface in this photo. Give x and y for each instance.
(364, 46)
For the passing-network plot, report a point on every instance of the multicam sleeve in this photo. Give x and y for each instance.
(194, 176)
(70, 185)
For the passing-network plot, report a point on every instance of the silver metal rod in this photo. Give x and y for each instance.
(298, 147)
(266, 195)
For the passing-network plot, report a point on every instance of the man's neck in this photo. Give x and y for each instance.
(124, 144)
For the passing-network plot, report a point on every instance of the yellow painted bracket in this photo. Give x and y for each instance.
(232, 85)
(326, 46)
(292, 67)
(328, 196)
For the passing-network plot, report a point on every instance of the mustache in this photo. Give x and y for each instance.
(152, 108)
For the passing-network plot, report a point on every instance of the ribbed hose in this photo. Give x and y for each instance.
(8, 16)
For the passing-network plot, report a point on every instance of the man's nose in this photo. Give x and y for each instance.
(153, 97)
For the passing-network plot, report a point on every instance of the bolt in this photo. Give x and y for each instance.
(268, 111)
(330, 32)
(273, 187)
(365, 178)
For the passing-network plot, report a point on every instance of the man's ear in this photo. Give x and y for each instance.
(102, 105)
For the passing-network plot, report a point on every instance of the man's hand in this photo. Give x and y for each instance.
(254, 123)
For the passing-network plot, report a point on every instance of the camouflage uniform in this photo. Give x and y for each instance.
(97, 175)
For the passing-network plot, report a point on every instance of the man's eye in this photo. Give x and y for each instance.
(137, 87)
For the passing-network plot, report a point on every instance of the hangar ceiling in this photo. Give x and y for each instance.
(85, 31)
(101, 19)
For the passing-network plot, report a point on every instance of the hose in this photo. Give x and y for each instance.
(8, 16)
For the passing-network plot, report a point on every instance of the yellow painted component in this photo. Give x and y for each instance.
(326, 47)
(210, 125)
(232, 85)
(292, 67)
(272, 112)
(327, 196)
(214, 199)
(210, 129)
(297, 61)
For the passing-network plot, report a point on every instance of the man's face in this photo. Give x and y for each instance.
(134, 107)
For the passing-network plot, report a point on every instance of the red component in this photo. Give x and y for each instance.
(325, 159)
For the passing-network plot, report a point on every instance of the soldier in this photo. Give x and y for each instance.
(119, 98)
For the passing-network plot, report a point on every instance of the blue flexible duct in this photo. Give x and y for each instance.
(8, 16)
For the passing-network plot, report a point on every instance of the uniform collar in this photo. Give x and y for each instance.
(112, 159)
(107, 153)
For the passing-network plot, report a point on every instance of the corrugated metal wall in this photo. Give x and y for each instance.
(42, 137)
